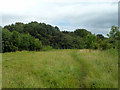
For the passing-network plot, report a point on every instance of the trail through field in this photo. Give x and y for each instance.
(83, 74)
(60, 69)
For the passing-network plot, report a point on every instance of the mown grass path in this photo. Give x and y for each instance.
(60, 69)
(83, 72)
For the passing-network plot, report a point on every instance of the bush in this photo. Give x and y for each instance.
(47, 48)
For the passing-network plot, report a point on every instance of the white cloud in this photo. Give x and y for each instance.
(49, 7)
(78, 13)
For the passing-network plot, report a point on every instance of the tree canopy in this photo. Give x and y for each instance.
(36, 36)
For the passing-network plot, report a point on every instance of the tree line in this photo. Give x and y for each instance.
(40, 36)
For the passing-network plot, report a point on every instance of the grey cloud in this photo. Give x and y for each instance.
(9, 19)
(75, 15)
(97, 23)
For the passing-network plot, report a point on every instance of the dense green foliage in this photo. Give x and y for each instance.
(38, 36)
(13, 41)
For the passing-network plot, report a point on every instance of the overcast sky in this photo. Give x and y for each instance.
(96, 16)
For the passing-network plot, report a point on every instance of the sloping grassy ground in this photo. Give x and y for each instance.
(60, 69)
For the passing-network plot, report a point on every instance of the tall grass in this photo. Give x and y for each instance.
(0, 70)
(101, 68)
(40, 70)
(60, 69)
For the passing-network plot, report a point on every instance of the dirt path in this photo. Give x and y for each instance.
(75, 57)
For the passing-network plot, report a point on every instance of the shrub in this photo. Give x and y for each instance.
(47, 48)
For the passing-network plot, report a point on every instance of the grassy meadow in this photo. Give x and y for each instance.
(0, 70)
(60, 69)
